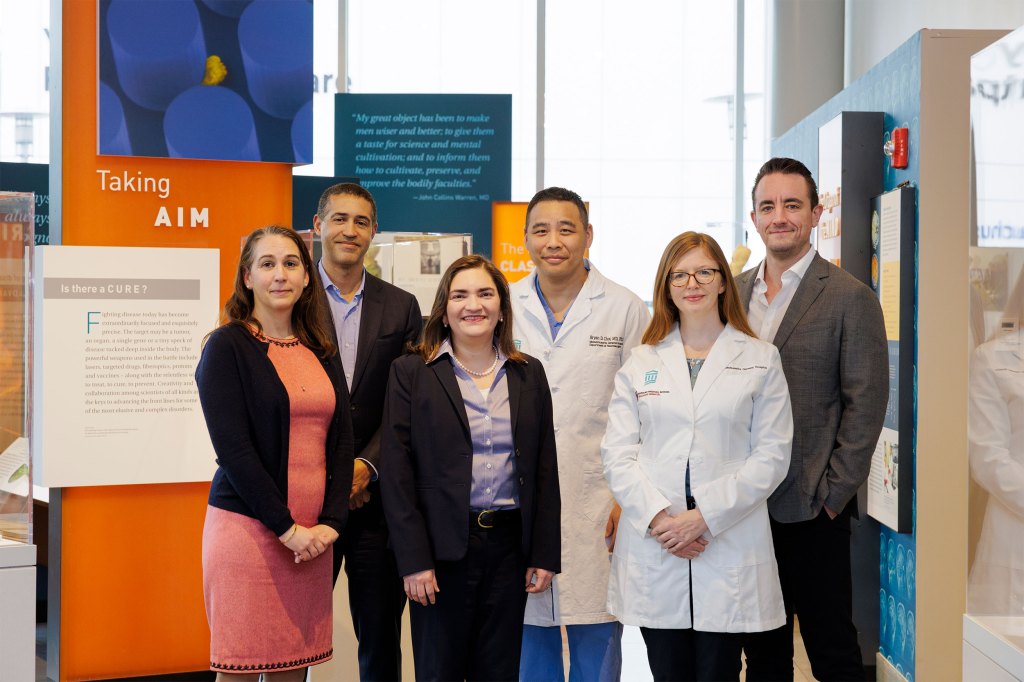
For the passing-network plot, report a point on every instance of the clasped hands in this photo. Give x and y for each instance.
(422, 587)
(309, 543)
(680, 535)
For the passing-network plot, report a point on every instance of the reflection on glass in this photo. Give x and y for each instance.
(16, 237)
(996, 436)
(996, 385)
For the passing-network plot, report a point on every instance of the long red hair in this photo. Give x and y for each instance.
(730, 309)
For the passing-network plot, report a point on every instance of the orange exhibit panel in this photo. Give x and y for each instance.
(131, 601)
(507, 251)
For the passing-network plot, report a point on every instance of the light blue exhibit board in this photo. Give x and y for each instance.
(894, 87)
(434, 163)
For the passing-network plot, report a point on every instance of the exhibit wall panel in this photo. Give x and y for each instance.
(943, 296)
(892, 87)
(130, 587)
(921, 577)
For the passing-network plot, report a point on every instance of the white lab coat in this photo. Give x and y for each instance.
(995, 429)
(735, 427)
(604, 323)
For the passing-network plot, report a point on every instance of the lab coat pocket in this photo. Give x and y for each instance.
(598, 380)
(739, 599)
(595, 499)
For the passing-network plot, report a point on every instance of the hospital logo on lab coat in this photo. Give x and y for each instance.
(519, 343)
(650, 377)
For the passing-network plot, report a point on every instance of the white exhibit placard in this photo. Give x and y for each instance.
(118, 333)
(890, 484)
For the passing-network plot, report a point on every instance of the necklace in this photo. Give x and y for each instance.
(283, 343)
(478, 374)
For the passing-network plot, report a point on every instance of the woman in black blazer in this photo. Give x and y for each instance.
(469, 480)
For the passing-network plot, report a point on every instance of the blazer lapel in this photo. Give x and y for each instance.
(446, 375)
(325, 307)
(369, 325)
(514, 381)
(745, 286)
(811, 286)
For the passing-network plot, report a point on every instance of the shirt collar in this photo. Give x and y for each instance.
(332, 289)
(798, 268)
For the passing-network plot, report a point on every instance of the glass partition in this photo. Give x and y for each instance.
(995, 590)
(16, 242)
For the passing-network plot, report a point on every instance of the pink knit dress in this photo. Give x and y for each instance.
(266, 612)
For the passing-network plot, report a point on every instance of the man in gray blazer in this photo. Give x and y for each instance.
(829, 330)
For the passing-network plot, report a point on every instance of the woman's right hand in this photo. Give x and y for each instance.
(421, 587)
(304, 543)
(690, 551)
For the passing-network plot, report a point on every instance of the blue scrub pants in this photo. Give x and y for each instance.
(595, 653)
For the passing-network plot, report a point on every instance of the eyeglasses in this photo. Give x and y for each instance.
(678, 278)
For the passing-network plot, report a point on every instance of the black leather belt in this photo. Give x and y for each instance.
(491, 518)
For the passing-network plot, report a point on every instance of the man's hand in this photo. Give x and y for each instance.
(421, 587)
(612, 527)
(678, 531)
(360, 480)
(538, 579)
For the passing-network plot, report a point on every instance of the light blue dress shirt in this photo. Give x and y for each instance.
(495, 480)
(346, 316)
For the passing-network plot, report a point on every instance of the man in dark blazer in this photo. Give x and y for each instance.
(829, 330)
(373, 322)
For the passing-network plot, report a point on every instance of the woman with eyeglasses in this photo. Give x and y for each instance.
(470, 481)
(699, 435)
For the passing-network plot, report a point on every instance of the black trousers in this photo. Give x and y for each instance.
(814, 567)
(376, 598)
(691, 655)
(475, 630)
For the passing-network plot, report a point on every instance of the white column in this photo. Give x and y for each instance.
(807, 59)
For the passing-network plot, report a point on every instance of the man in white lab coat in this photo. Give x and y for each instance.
(582, 327)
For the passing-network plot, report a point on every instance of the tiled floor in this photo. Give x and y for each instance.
(634, 657)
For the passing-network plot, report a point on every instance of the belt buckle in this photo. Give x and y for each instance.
(483, 517)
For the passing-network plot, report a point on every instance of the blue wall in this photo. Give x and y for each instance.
(894, 87)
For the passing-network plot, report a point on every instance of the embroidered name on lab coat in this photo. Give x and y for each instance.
(605, 341)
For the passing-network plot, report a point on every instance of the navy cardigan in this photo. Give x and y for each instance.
(247, 413)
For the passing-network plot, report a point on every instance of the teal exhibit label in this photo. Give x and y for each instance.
(29, 177)
(434, 163)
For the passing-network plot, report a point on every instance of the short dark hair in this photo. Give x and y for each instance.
(559, 194)
(349, 188)
(787, 166)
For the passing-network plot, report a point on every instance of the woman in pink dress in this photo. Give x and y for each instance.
(276, 405)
